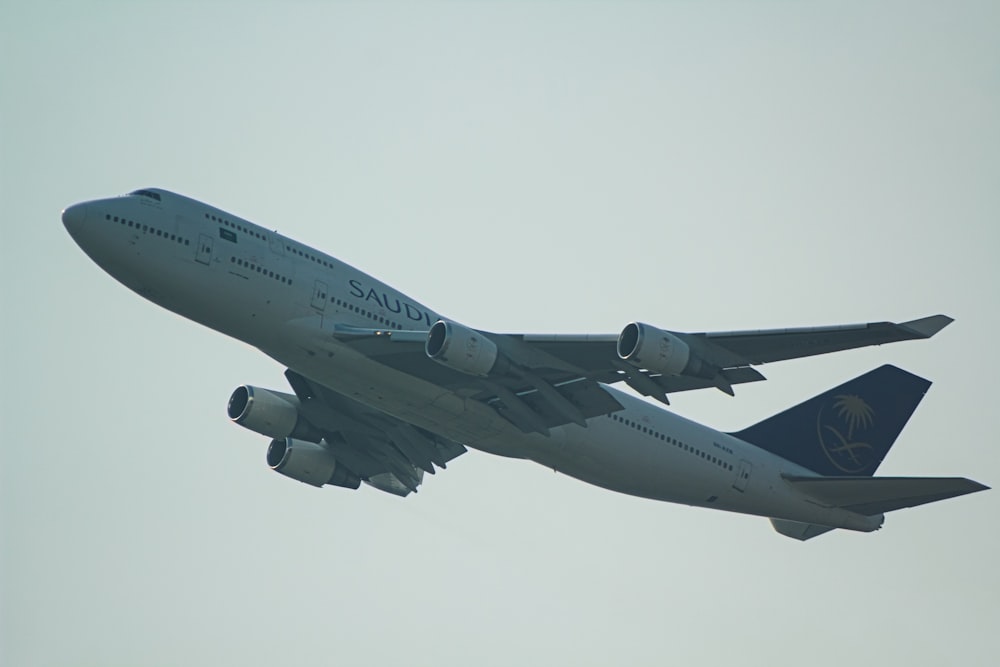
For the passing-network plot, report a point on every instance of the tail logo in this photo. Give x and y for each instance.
(839, 427)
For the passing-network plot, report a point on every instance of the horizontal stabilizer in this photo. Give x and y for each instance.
(877, 495)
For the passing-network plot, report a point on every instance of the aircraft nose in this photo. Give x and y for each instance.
(74, 216)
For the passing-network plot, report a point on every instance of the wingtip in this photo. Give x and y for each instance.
(925, 327)
(977, 486)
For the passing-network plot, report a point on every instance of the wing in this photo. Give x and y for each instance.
(536, 392)
(386, 453)
(727, 356)
(544, 380)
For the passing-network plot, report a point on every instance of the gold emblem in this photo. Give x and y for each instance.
(838, 431)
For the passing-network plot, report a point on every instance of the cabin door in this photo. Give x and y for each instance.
(742, 475)
(319, 295)
(204, 255)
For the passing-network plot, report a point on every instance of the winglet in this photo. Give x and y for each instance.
(926, 327)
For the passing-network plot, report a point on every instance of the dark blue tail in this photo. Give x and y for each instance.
(847, 430)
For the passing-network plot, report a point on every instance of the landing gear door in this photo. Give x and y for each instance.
(319, 295)
(742, 476)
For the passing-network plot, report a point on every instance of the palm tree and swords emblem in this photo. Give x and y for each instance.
(837, 433)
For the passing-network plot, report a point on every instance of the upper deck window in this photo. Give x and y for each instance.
(146, 193)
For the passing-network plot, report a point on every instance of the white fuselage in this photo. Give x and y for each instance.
(285, 298)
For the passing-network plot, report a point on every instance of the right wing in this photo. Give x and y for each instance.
(726, 356)
(759, 347)
(545, 380)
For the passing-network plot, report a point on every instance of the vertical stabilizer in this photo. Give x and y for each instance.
(847, 430)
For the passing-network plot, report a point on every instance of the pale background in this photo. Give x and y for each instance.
(560, 167)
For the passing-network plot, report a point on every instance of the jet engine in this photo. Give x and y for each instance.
(309, 462)
(658, 351)
(462, 349)
(271, 413)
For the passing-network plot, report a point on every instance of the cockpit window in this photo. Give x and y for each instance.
(146, 193)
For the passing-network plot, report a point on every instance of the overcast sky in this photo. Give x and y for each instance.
(541, 167)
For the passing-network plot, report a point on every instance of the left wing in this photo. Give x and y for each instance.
(538, 381)
(386, 453)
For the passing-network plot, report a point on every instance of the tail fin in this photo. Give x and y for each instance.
(846, 431)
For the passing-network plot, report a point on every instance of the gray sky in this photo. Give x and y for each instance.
(561, 167)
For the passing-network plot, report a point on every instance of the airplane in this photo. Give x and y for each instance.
(384, 389)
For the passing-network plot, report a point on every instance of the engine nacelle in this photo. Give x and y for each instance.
(656, 350)
(461, 349)
(271, 413)
(309, 462)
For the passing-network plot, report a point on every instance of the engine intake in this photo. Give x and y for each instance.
(309, 462)
(462, 349)
(271, 413)
(658, 351)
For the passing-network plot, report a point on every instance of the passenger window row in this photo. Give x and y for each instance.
(674, 441)
(239, 228)
(312, 258)
(146, 229)
(378, 318)
(260, 269)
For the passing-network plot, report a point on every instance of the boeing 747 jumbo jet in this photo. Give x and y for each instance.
(384, 389)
